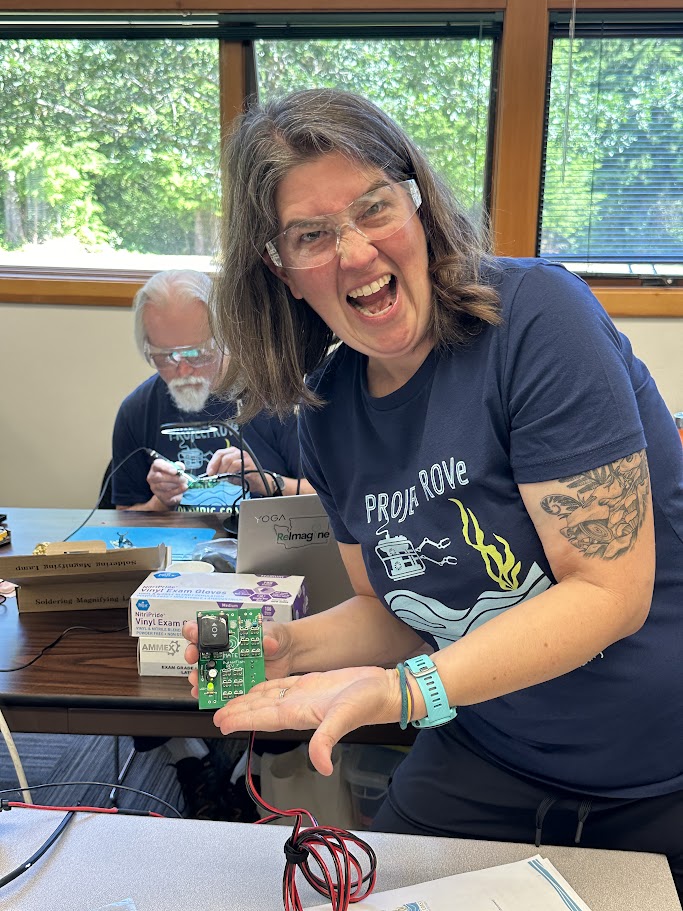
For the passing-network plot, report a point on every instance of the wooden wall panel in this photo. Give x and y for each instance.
(519, 128)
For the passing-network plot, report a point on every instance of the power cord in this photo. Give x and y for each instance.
(100, 784)
(78, 808)
(345, 883)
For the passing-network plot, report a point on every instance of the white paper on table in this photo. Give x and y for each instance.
(526, 885)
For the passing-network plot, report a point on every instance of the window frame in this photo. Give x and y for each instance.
(518, 118)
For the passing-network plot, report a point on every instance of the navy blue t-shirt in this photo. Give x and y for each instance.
(426, 481)
(138, 423)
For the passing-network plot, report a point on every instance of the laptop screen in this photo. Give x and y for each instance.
(292, 536)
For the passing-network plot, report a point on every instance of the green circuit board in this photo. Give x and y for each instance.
(231, 660)
(204, 483)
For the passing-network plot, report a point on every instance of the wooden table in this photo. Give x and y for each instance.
(88, 684)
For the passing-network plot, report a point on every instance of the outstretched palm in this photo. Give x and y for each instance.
(333, 703)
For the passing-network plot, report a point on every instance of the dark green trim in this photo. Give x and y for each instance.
(250, 27)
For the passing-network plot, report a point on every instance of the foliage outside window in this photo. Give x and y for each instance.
(437, 89)
(613, 182)
(108, 153)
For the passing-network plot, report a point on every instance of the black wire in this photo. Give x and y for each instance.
(101, 784)
(273, 474)
(27, 864)
(245, 486)
(297, 412)
(338, 884)
(233, 474)
(245, 447)
(70, 629)
(104, 488)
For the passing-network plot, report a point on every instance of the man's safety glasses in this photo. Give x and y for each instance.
(193, 355)
(375, 215)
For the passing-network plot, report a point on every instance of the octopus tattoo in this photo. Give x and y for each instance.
(606, 510)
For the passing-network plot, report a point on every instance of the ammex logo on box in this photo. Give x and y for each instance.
(172, 647)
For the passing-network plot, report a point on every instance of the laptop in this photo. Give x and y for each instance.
(292, 536)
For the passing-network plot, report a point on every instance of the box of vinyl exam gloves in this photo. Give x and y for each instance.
(167, 599)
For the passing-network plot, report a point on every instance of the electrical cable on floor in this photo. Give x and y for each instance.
(16, 761)
(101, 784)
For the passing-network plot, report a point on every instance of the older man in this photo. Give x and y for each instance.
(172, 333)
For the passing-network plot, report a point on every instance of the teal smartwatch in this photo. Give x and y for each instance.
(425, 673)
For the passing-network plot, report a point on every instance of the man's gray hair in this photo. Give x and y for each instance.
(180, 284)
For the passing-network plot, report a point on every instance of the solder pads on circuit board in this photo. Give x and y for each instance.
(231, 658)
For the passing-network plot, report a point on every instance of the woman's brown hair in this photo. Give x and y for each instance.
(274, 339)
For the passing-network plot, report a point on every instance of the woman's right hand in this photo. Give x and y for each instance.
(277, 648)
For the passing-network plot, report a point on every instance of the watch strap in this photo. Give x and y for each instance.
(427, 678)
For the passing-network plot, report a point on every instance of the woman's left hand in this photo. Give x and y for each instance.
(333, 702)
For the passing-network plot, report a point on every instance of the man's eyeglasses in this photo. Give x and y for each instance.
(375, 215)
(194, 355)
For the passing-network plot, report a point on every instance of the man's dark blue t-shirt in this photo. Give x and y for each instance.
(140, 419)
(426, 481)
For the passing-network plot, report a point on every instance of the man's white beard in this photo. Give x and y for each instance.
(190, 394)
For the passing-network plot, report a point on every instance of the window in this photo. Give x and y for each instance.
(108, 153)
(438, 89)
(612, 200)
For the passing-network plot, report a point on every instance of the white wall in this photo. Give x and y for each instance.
(64, 371)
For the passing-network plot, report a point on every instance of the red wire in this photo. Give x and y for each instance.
(36, 806)
(345, 883)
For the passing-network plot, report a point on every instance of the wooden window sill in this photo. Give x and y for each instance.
(117, 290)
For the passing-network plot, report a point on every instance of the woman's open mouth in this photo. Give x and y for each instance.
(376, 298)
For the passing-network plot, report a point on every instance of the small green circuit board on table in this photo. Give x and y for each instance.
(231, 661)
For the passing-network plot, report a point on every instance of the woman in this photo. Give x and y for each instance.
(478, 439)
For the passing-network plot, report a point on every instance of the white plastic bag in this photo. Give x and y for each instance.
(289, 781)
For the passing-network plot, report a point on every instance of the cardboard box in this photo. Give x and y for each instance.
(165, 600)
(81, 581)
(162, 657)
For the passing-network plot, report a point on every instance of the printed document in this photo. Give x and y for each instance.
(527, 885)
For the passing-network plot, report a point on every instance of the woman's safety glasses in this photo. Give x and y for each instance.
(375, 215)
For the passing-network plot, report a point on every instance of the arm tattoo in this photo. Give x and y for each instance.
(607, 509)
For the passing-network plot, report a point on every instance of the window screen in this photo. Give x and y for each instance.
(612, 195)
